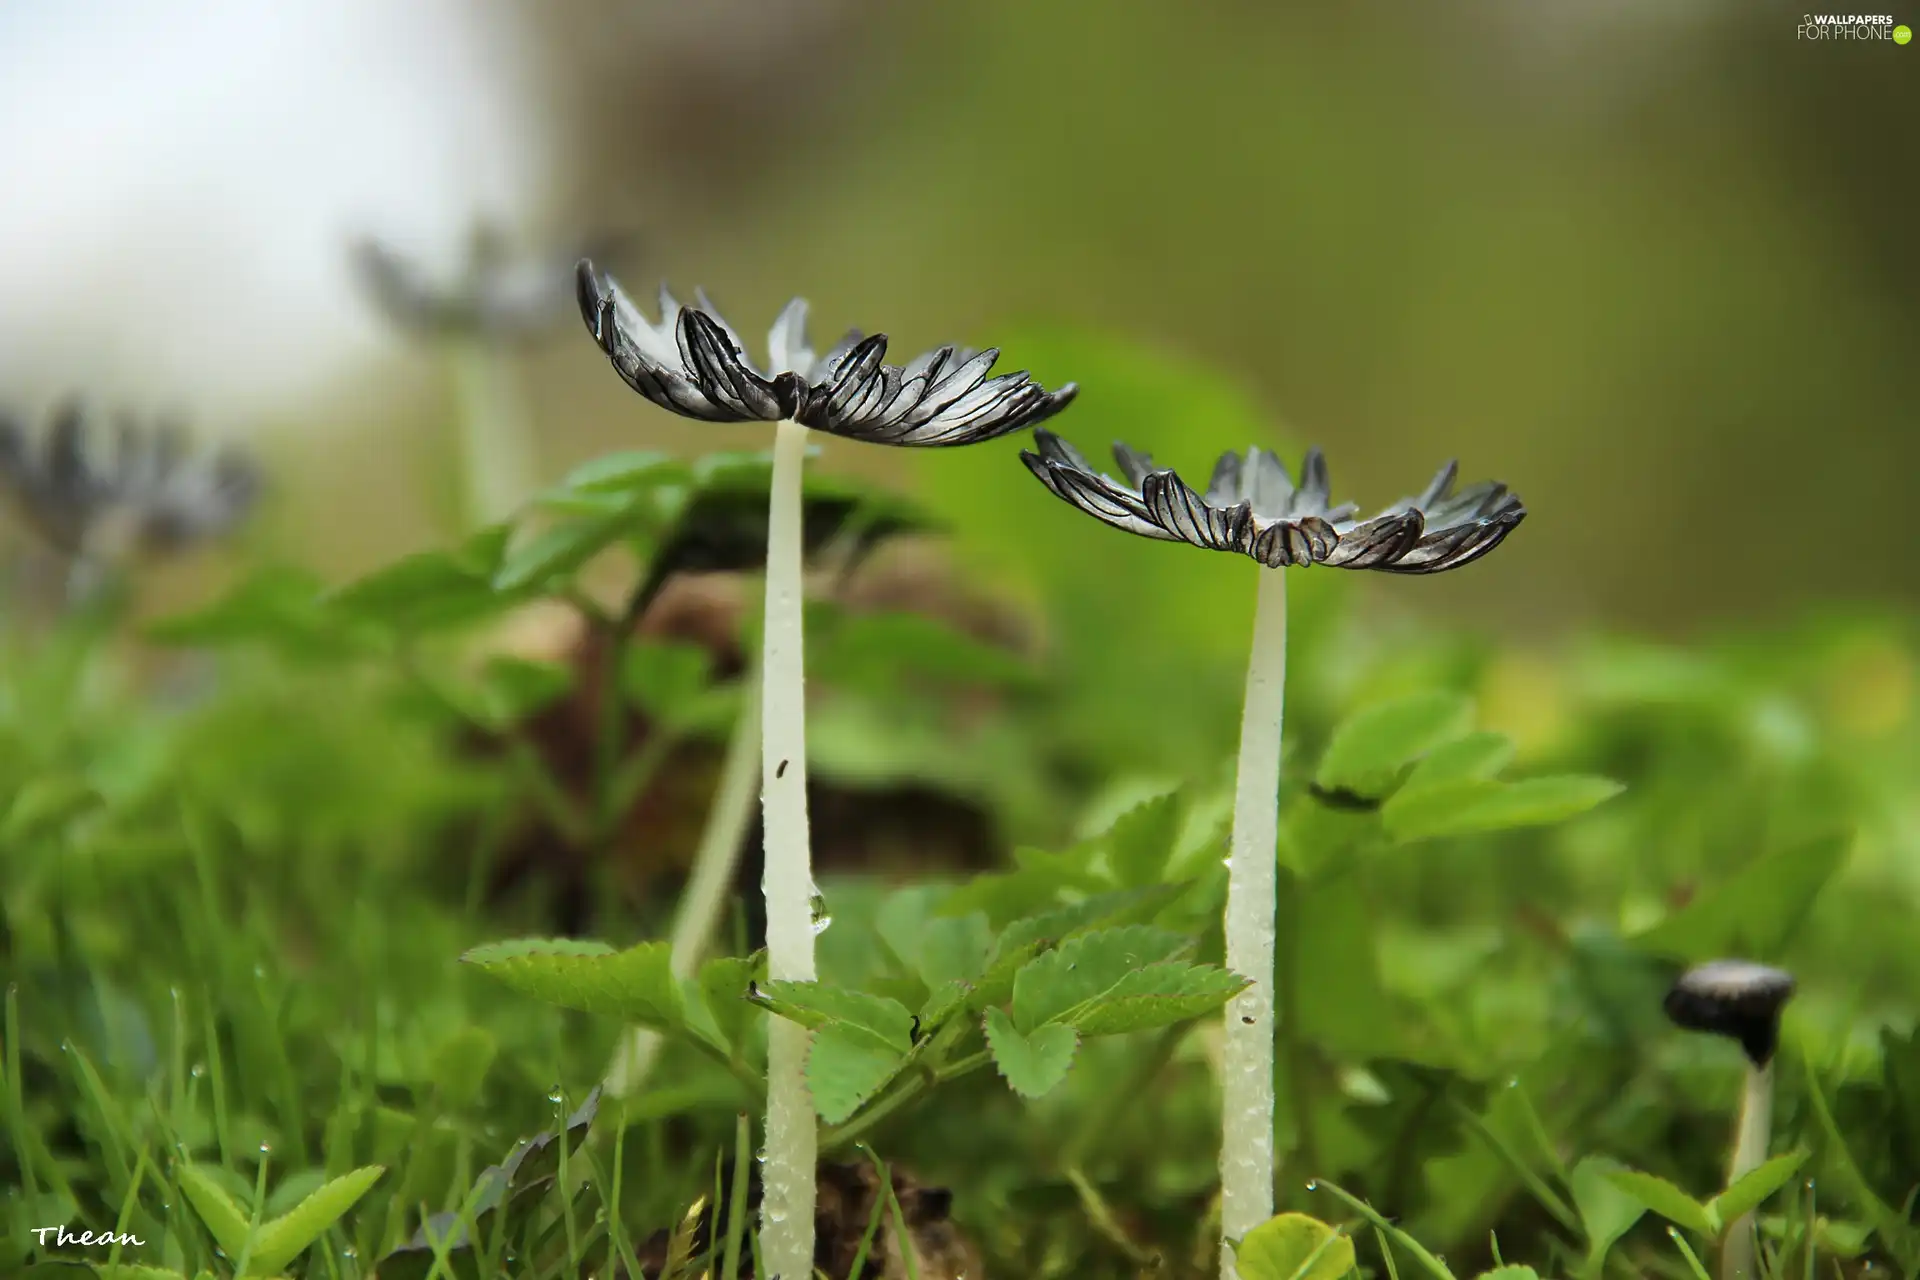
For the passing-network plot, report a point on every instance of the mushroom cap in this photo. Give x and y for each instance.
(1736, 998)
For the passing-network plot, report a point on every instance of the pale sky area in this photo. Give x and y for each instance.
(178, 183)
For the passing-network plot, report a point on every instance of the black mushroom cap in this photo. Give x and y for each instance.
(1735, 998)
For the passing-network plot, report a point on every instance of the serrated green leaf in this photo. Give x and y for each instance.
(1665, 1199)
(285, 1238)
(1084, 967)
(1122, 907)
(1033, 1064)
(947, 1000)
(1469, 806)
(1753, 1187)
(561, 549)
(847, 1065)
(1141, 841)
(636, 984)
(1478, 755)
(1754, 911)
(939, 949)
(1370, 747)
(1160, 995)
(815, 1004)
(1293, 1246)
(225, 1222)
(724, 982)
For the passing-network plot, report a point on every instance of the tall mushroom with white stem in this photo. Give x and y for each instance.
(691, 362)
(1253, 508)
(1741, 1000)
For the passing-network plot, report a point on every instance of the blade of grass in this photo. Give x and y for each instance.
(737, 1208)
(1693, 1259)
(1549, 1199)
(1399, 1237)
(23, 1137)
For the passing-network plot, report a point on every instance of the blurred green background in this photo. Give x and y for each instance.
(1651, 265)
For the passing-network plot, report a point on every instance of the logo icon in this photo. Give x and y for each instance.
(1902, 34)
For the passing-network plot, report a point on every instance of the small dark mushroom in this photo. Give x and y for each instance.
(1741, 1000)
(1734, 998)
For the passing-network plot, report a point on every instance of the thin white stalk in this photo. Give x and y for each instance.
(1749, 1153)
(1246, 1108)
(786, 1226)
(714, 864)
(496, 448)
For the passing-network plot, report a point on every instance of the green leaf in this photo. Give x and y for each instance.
(1370, 747)
(1125, 906)
(1753, 1187)
(947, 1000)
(627, 471)
(938, 948)
(1512, 1271)
(561, 549)
(1606, 1211)
(1665, 1199)
(1469, 806)
(1141, 841)
(1478, 755)
(287, 1237)
(1756, 910)
(225, 1222)
(446, 587)
(667, 680)
(885, 1021)
(1083, 967)
(1033, 1064)
(511, 689)
(847, 1065)
(724, 982)
(1293, 1246)
(636, 984)
(461, 1063)
(1159, 995)
(280, 607)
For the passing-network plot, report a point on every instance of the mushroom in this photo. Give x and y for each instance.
(1739, 999)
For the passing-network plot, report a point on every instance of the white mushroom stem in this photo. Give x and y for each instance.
(497, 460)
(1246, 1110)
(1749, 1153)
(786, 1224)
